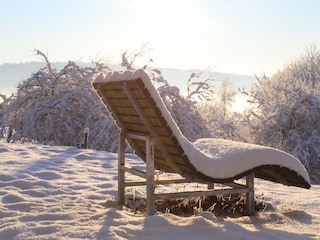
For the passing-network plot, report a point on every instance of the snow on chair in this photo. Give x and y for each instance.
(148, 127)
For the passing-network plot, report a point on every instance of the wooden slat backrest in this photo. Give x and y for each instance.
(129, 120)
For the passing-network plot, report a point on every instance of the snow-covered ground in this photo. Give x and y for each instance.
(69, 193)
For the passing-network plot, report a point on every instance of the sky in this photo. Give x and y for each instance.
(235, 36)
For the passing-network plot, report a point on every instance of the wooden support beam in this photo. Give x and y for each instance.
(209, 192)
(134, 171)
(234, 185)
(138, 109)
(137, 136)
(157, 182)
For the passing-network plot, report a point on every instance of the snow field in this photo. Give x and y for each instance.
(51, 192)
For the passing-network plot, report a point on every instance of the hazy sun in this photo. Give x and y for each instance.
(239, 105)
(165, 21)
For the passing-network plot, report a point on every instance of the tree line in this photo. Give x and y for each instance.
(53, 107)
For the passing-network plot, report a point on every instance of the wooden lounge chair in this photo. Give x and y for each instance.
(148, 127)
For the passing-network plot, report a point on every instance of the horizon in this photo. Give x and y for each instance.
(11, 74)
(242, 37)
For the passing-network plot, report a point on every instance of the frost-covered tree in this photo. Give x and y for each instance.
(225, 96)
(285, 111)
(306, 68)
(2, 107)
(221, 121)
(54, 106)
(2, 99)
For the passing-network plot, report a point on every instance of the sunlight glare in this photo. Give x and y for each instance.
(240, 105)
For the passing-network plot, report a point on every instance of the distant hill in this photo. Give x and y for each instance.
(13, 73)
(180, 77)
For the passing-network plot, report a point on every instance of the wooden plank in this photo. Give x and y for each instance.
(136, 128)
(115, 94)
(136, 84)
(120, 102)
(150, 112)
(145, 103)
(114, 111)
(133, 118)
(110, 85)
(138, 93)
(125, 111)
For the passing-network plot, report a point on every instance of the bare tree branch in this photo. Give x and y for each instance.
(127, 59)
(203, 89)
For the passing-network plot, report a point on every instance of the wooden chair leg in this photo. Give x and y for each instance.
(250, 203)
(121, 173)
(150, 178)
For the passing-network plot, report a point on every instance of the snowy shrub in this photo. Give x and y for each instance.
(54, 106)
(285, 111)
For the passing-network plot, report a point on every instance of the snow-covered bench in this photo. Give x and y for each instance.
(146, 124)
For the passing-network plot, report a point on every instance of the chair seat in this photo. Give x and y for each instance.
(225, 159)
